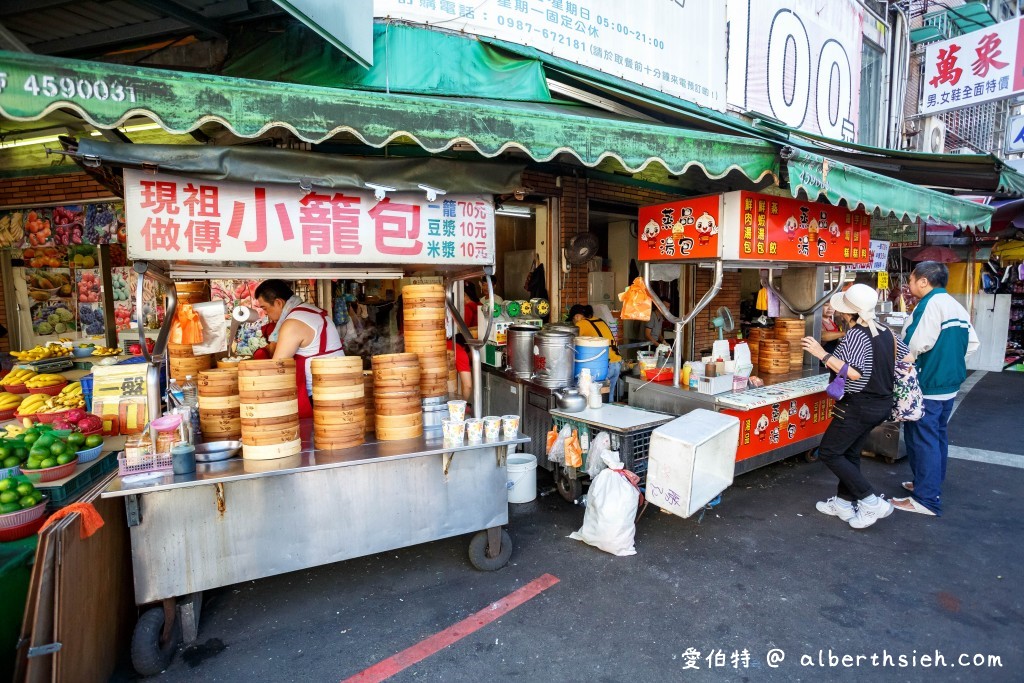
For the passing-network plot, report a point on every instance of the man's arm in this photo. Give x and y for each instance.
(290, 340)
(973, 343)
(926, 332)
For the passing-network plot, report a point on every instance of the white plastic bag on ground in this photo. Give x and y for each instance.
(609, 522)
(598, 446)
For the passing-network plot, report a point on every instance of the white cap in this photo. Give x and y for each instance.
(860, 300)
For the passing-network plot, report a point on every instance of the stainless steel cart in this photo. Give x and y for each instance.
(240, 520)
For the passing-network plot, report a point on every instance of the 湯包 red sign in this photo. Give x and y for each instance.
(687, 229)
(762, 227)
(183, 219)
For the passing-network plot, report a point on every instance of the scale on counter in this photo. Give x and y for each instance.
(49, 364)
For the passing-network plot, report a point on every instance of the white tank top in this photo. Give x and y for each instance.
(320, 326)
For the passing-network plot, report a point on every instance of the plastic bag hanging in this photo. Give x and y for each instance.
(636, 301)
(186, 328)
(573, 451)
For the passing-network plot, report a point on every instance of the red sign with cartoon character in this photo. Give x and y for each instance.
(779, 424)
(785, 229)
(687, 229)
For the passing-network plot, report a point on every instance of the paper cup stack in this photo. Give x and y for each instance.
(339, 416)
(269, 408)
(396, 396)
(792, 331)
(423, 319)
(219, 414)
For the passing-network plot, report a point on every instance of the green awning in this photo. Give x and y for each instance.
(821, 177)
(182, 102)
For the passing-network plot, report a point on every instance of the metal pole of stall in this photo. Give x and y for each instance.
(679, 323)
(474, 344)
(766, 281)
(155, 360)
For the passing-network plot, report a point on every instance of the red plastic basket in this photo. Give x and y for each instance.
(658, 374)
(22, 416)
(49, 391)
(51, 473)
(48, 418)
(24, 531)
(16, 389)
(13, 520)
(8, 414)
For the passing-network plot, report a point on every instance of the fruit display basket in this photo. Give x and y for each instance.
(9, 414)
(47, 418)
(16, 388)
(52, 473)
(22, 416)
(16, 533)
(89, 454)
(80, 352)
(51, 390)
(22, 517)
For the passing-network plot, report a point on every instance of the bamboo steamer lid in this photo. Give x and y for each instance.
(252, 411)
(180, 350)
(424, 288)
(340, 419)
(344, 404)
(398, 433)
(393, 359)
(268, 367)
(225, 364)
(270, 452)
(327, 443)
(210, 403)
(268, 396)
(270, 382)
(337, 364)
(422, 325)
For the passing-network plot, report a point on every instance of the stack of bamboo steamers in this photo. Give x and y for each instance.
(396, 396)
(269, 409)
(423, 327)
(219, 414)
(339, 414)
(779, 350)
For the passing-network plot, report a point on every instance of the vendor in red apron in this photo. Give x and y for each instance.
(301, 331)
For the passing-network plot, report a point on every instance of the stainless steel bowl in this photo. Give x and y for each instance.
(215, 451)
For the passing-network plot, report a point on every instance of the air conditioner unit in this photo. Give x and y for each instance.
(932, 138)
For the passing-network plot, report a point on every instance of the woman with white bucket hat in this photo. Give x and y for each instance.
(868, 351)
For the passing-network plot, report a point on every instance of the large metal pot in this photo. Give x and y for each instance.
(554, 360)
(519, 349)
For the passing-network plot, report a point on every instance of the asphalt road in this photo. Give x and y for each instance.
(761, 572)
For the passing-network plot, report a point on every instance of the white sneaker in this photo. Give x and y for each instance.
(869, 513)
(837, 507)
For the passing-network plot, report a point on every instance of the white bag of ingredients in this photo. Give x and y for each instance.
(609, 522)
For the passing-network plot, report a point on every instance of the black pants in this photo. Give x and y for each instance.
(853, 418)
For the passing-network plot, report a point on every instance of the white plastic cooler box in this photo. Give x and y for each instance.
(691, 460)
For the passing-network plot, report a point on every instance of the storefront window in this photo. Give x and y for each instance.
(872, 68)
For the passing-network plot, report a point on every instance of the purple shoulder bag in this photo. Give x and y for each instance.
(837, 387)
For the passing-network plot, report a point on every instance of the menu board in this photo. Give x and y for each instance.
(686, 229)
(119, 397)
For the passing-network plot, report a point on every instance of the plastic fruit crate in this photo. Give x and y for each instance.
(89, 454)
(155, 462)
(69, 491)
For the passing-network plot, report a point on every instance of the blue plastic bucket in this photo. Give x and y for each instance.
(592, 354)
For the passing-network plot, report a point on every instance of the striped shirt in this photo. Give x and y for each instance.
(857, 349)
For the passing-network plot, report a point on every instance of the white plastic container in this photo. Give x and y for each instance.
(522, 477)
(692, 459)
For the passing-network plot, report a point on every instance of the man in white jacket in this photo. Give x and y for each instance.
(941, 337)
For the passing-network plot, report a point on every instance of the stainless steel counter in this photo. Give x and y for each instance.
(309, 459)
(664, 397)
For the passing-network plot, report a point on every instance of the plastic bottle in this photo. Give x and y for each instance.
(174, 389)
(685, 378)
(190, 392)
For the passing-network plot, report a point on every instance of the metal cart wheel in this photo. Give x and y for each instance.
(153, 646)
(570, 489)
(479, 557)
(811, 455)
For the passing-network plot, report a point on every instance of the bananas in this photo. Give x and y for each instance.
(105, 351)
(8, 401)
(14, 430)
(44, 380)
(32, 404)
(69, 397)
(17, 377)
(42, 352)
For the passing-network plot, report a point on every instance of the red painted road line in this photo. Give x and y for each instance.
(403, 660)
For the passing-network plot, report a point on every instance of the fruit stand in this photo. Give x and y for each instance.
(246, 518)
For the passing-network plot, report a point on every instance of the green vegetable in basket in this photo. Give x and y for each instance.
(27, 502)
(11, 461)
(48, 463)
(8, 497)
(65, 458)
(8, 483)
(9, 507)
